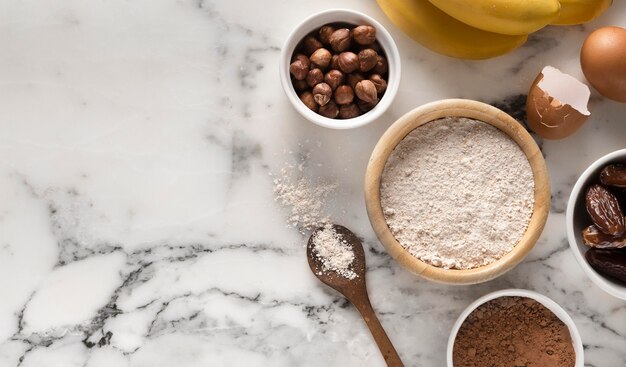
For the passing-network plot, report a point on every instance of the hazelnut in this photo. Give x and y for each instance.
(340, 39)
(348, 62)
(329, 110)
(325, 33)
(304, 58)
(310, 44)
(379, 83)
(344, 95)
(307, 99)
(314, 77)
(352, 79)
(298, 69)
(364, 34)
(366, 91)
(334, 62)
(322, 93)
(321, 58)
(368, 58)
(300, 85)
(381, 66)
(376, 47)
(365, 106)
(349, 111)
(333, 78)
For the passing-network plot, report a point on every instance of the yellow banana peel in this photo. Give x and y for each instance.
(580, 11)
(441, 33)
(511, 17)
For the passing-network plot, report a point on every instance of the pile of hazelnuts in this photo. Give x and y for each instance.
(339, 71)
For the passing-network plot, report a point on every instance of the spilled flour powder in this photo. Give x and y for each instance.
(305, 199)
(457, 193)
(334, 253)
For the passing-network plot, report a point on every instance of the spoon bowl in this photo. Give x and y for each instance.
(355, 290)
(343, 285)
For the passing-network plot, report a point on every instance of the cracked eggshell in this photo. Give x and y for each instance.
(547, 109)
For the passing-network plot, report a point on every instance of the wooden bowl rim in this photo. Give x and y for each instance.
(457, 108)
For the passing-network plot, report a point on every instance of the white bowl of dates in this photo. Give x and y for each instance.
(340, 69)
(596, 227)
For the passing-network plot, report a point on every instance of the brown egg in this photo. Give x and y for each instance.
(603, 61)
(556, 106)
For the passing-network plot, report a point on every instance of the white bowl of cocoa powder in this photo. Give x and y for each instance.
(457, 191)
(514, 327)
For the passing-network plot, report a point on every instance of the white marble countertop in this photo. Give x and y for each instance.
(138, 225)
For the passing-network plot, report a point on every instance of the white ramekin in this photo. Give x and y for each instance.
(576, 219)
(344, 16)
(550, 304)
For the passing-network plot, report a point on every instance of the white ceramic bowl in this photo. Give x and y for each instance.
(345, 16)
(576, 218)
(550, 304)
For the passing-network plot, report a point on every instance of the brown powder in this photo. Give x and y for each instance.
(516, 332)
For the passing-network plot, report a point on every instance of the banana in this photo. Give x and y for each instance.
(580, 11)
(502, 16)
(441, 33)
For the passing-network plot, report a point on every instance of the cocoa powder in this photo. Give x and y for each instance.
(516, 332)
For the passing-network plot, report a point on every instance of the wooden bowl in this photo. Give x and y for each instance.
(474, 110)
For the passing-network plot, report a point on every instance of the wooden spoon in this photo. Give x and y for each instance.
(355, 290)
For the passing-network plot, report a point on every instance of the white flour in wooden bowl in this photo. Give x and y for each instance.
(457, 193)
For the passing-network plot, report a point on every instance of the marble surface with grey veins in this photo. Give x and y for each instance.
(138, 225)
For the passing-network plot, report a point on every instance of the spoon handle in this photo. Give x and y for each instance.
(380, 336)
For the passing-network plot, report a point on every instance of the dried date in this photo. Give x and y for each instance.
(593, 237)
(614, 175)
(604, 209)
(608, 262)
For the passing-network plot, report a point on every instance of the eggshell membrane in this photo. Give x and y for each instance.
(548, 117)
(603, 61)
